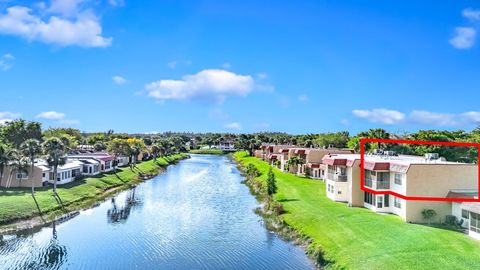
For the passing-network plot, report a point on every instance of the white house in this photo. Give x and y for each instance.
(90, 166)
(122, 161)
(66, 173)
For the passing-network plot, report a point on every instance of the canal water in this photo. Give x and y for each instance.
(196, 215)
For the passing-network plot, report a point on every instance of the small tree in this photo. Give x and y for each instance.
(271, 183)
(428, 214)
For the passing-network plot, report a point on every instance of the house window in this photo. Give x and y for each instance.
(397, 202)
(369, 198)
(464, 214)
(43, 175)
(398, 179)
(22, 175)
(475, 222)
(387, 200)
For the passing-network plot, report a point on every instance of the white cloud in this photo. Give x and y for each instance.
(6, 61)
(446, 119)
(383, 116)
(210, 84)
(464, 37)
(303, 98)
(51, 115)
(82, 29)
(7, 117)
(58, 117)
(65, 7)
(234, 126)
(119, 80)
(472, 14)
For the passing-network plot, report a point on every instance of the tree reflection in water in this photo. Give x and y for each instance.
(51, 256)
(120, 214)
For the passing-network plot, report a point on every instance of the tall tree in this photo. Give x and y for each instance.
(31, 148)
(117, 147)
(55, 150)
(17, 164)
(271, 183)
(155, 149)
(135, 148)
(18, 131)
(4, 158)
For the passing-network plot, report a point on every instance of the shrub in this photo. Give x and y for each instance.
(252, 171)
(428, 214)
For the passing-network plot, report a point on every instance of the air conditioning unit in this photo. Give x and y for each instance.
(390, 153)
(431, 156)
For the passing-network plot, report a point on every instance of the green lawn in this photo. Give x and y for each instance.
(16, 204)
(208, 151)
(357, 238)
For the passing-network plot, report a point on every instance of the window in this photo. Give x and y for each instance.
(398, 178)
(474, 222)
(43, 175)
(464, 214)
(22, 175)
(387, 200)
(369, 198)
(397, 202)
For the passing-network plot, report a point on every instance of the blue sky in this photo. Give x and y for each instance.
(241, 66)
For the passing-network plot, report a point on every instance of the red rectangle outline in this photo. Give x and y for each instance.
(362, 171)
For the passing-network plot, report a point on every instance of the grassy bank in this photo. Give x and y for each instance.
(208, 151)
(17, 203)
(357, 238)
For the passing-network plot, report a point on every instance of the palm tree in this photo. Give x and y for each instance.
(17, 164)
(4, 158)
(155, 149)
(294, 161)
(56, 150)
(31, 148)
(117, 147)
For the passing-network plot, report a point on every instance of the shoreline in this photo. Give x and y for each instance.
(275, 223)
(71, 210)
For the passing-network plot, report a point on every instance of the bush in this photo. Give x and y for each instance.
(428, 214)
(252, 171)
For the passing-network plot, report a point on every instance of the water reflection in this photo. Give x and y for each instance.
(120, 214)
(197, 215)
(54, 254)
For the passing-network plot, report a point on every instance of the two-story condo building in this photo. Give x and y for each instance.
(411, 176)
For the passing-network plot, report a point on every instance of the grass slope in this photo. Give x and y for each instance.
(208, 151)
(357, 238)
(17, 203)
